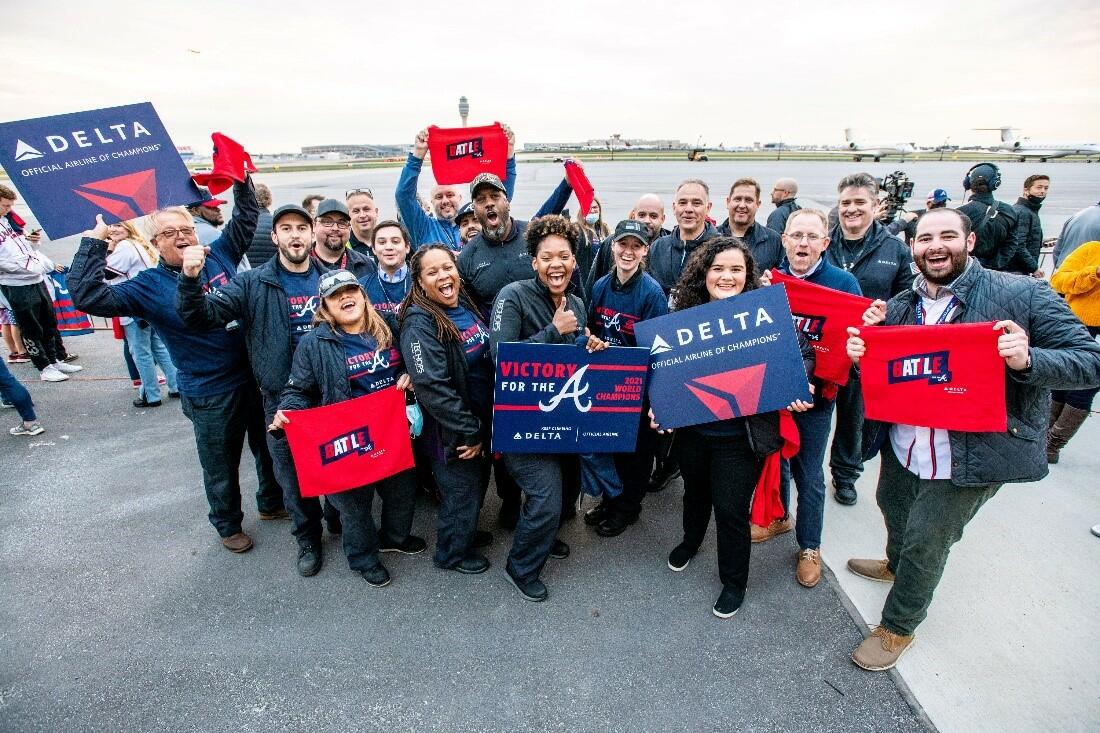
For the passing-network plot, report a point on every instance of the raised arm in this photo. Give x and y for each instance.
(236, 238)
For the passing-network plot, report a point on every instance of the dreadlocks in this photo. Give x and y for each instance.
(444, 327)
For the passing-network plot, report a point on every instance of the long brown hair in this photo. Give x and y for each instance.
(376, 325)
(691, 289)
(445, 329)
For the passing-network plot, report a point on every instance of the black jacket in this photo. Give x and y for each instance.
(262, 248)
(1063, 356)
(882, 264)
(668, 255)
(777, 220)
(765, 245)
(995, 224)
(354, 262)
(319, 375)
(486, 266)
(439, 374)
(1025, 260)
(524, 311)
(256, 300)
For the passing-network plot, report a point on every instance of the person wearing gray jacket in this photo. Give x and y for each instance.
(932, 482)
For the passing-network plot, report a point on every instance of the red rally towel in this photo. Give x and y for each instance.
(350, 444)
(231, 164)
(459, 154)
(582, 187)
(942, 376)
(823, 315)
(767, 506)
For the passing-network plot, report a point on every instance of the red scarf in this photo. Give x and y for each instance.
(950, 377)
(767, 506)
(231, 164)
(459, 154)
(582, 187)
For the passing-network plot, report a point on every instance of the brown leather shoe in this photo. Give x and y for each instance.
(776, 528)
(238, 543)
(881, 650)
(871, 569)
(808, 571)
(277, 514)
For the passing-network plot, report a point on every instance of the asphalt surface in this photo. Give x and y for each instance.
(122, 611)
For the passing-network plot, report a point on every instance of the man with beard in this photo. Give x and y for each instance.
(669, 253)
(881, 263)
(330, 233)
(932, 482)
(783, 196)
(445, 200)
(217, 394)
(742, 205)
(1025, 260)
(275, 305)
(467, 223)
(364, 215)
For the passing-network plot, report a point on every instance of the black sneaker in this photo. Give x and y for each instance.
(728, 603)
(845, 494)
(377, 576)
(412, 545)
(173, 395)
(559, 550)
(508, 516)
(472, 564)
(309, 560)
(661, 479)
(614, 525)
(142, 402)
(481, 539)
(531, 590)
(597, 514)
(680, 556)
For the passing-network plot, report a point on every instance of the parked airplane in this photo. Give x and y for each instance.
(1027, 148)
(861, 150)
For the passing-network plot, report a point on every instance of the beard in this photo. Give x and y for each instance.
(958, 265)
(296, 259)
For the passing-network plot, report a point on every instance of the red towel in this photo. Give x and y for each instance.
(767, 506)
(459, 154)
(950, 377)
(231, 164)
(582, 187)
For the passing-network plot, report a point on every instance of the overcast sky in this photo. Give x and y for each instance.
(305, 73)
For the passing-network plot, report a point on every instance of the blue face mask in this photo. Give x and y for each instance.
(591, 219)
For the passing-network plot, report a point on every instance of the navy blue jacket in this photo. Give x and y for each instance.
(668, 255)
(828, 275)
(765, 245)
(777, 220)
(882, 264)
(486, 266)
(615, 307)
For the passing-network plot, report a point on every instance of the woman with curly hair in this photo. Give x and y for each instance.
(721, 461)
(542, 311)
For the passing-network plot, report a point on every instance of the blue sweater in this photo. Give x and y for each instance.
(828, 275)
(615, 307)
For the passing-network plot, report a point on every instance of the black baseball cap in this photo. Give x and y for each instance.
(487, 179)
(332, 206)
(291, 209)
(467, 209)
(630, 228)
(334, 280)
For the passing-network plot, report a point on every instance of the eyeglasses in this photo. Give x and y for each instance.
(329, 224)
(173, 233)
(352, 192)
(799, 236)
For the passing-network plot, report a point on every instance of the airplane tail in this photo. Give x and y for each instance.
(849, 135)
(1008, 134)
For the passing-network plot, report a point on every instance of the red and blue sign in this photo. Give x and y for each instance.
(562, 399)
(724, 359)
(117, 161)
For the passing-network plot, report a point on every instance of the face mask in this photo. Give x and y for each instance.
(591, 219)
(1036, 199)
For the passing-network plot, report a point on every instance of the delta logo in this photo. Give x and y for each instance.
(105, 135)
(812, 327)
(735, 393)
(126, 197)
(472, 148)
(932, 367)
(355, 442)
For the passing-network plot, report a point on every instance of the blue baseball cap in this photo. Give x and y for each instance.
(939, 196)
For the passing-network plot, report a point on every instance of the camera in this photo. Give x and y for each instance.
(896, 189)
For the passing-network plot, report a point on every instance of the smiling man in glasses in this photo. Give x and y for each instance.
(331, 230)
(217, 391)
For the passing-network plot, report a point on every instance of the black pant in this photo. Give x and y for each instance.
(221, 423)
(633, 469)
(460, 485)
(846, 456)
(33, 311)
(721, 472)
(361, 537)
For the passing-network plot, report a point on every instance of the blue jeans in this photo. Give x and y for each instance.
(15, 393)
(146, 347)
(808, 472)
(361, 537)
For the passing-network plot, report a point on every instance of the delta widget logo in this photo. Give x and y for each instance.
(126, 197)
(355, 442)
(812, 327)
(932, 367)
(472, 148)
(735, 393)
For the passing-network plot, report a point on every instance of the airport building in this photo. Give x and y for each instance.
(357, 151)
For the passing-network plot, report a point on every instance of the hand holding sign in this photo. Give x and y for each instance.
(194, 257)
(856, 346)
(565, 321)
(420, 144)
(875, 313)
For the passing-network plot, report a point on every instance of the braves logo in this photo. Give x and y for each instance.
(811, 327)
(471, 148)
(573, 388)
(370, 362)
(351, 443)
(301, 306)
(932, 367)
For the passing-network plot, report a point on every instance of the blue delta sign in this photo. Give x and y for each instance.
(725, 359)
(117, 161)
(561, 399)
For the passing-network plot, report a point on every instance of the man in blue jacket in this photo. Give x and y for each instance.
(217, 393)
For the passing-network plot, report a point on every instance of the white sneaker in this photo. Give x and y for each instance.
(67, 368)
(52, 374)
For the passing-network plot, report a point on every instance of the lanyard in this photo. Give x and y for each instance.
(951, 305)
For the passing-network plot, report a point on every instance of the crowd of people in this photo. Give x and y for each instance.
(274, 311)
